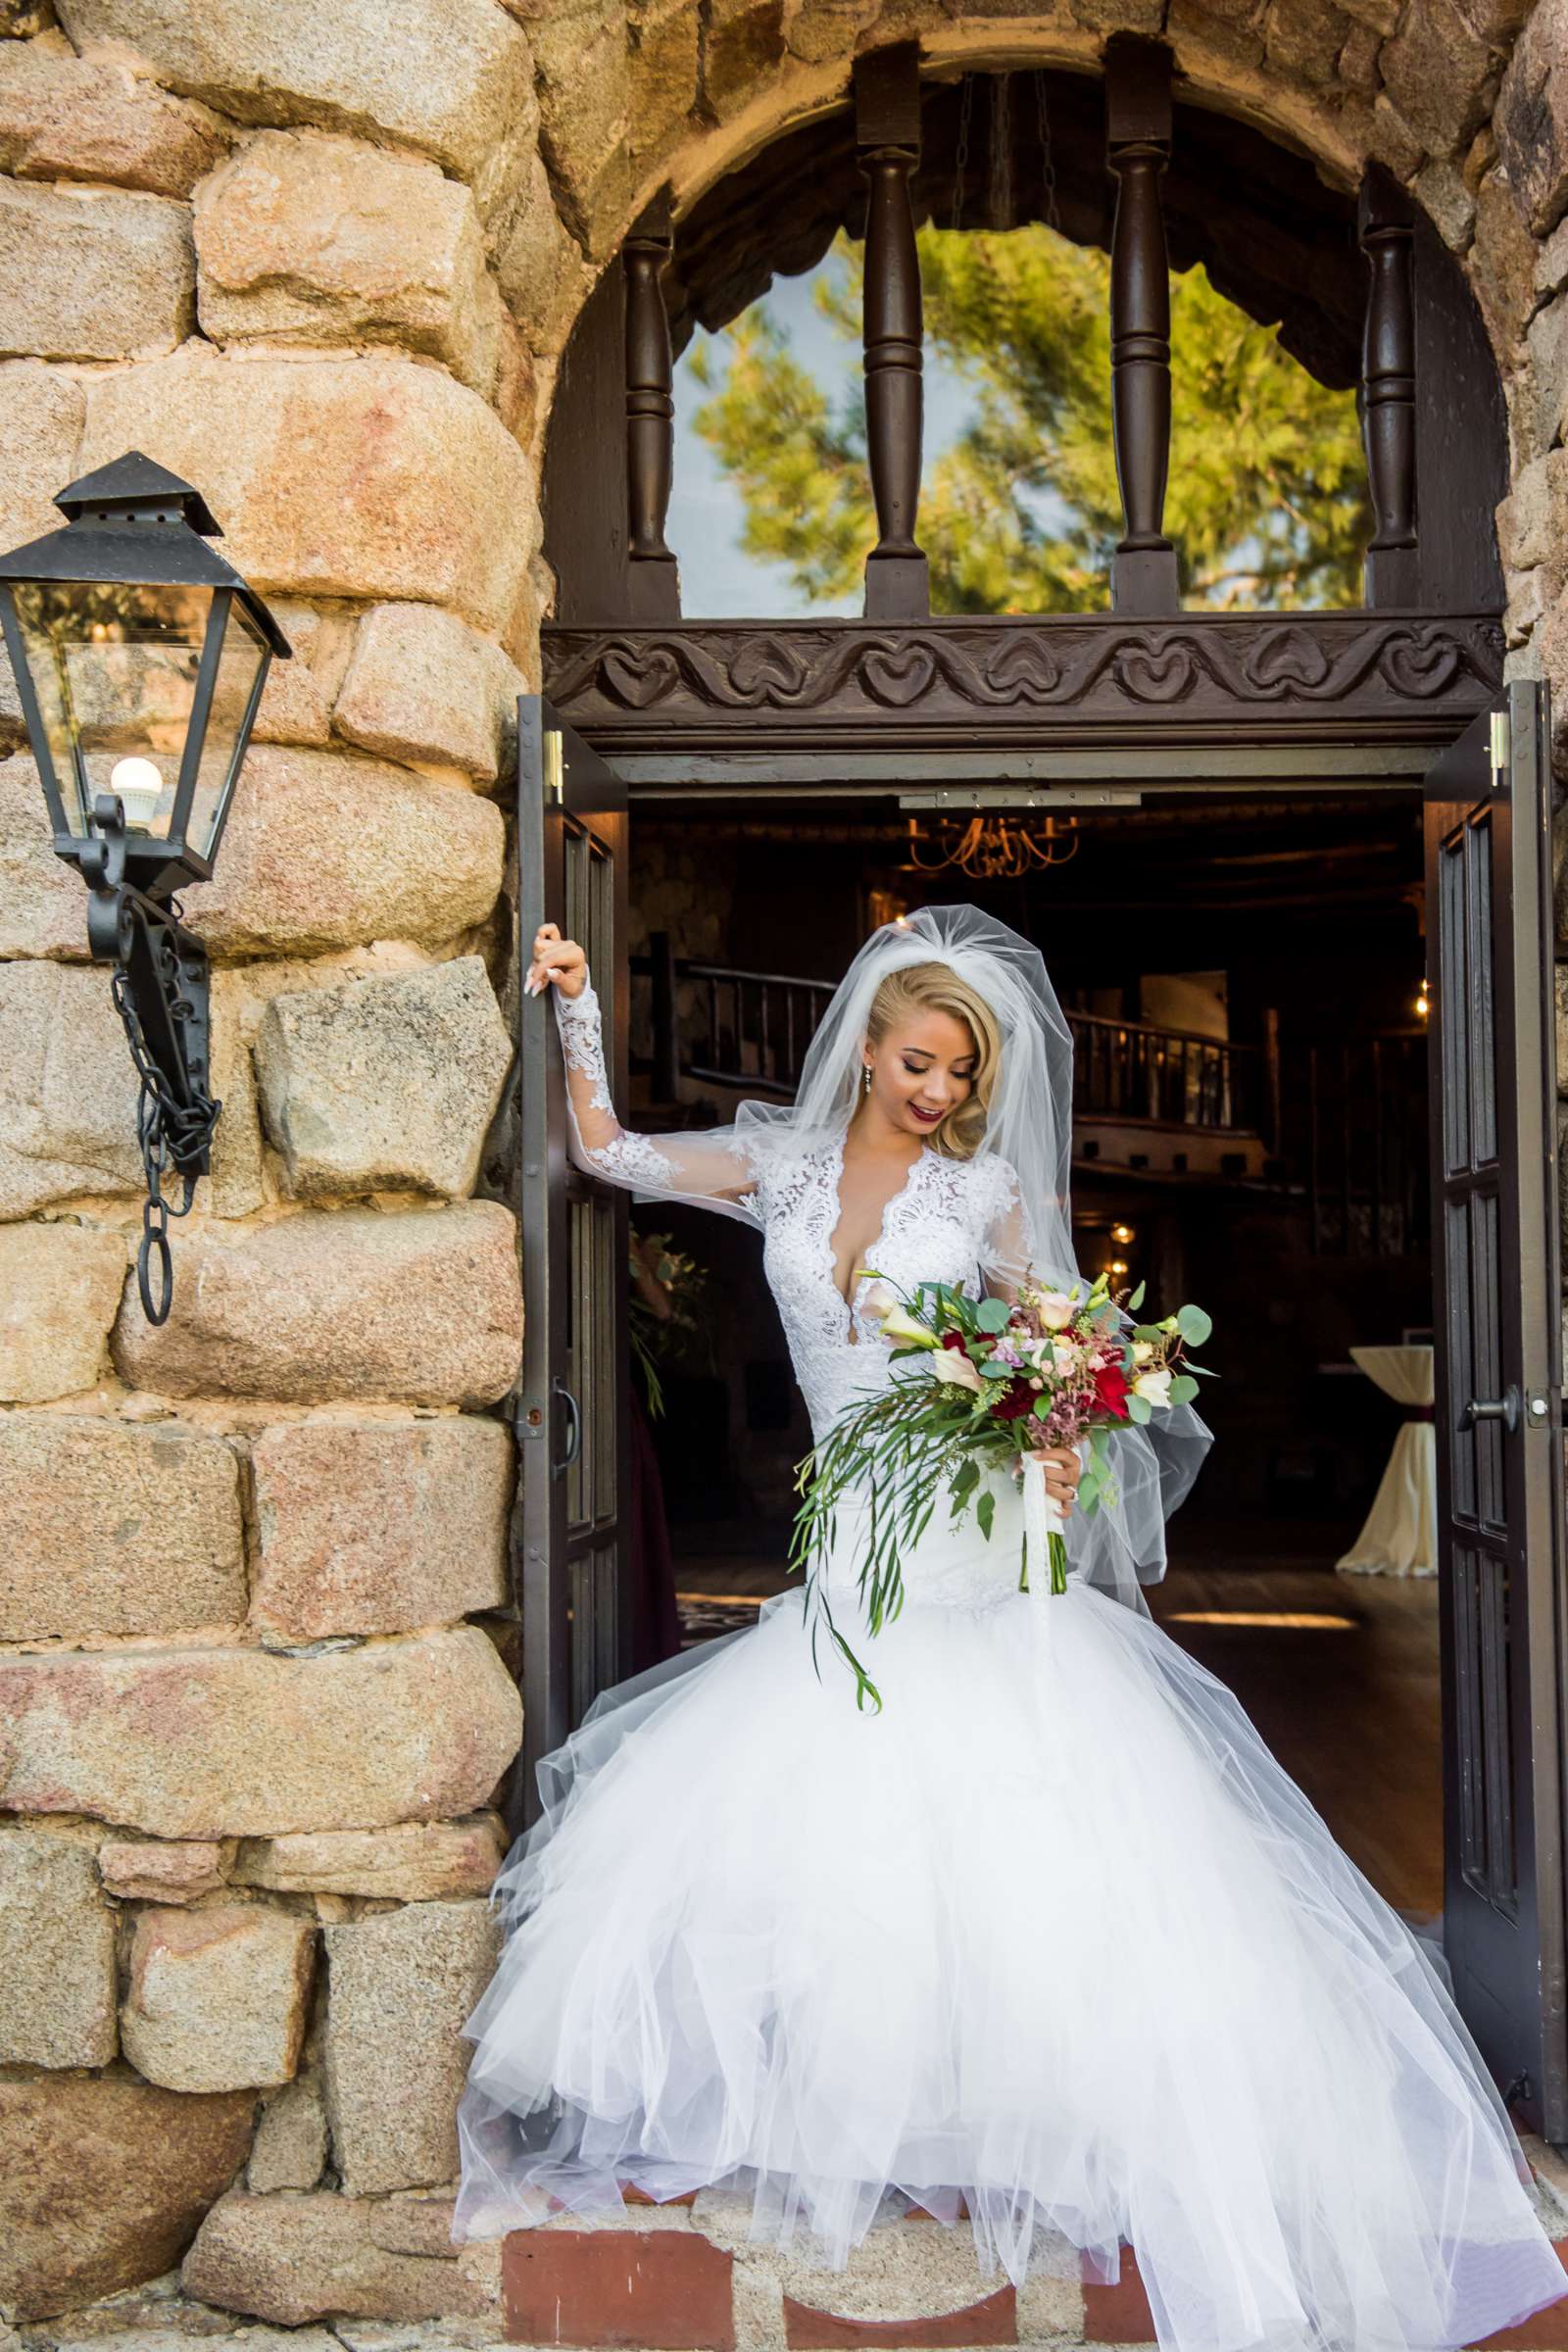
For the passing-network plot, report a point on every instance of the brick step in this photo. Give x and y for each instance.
(684, 2277)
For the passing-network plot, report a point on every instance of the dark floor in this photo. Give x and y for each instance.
(1339, 1673)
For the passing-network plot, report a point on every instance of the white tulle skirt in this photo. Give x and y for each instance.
(1053, 1934)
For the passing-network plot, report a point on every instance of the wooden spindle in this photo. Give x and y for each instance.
(649, 416)
(887, 131)
(1138, 135)
(1386, 229)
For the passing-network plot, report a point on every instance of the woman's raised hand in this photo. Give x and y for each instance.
(556, 959)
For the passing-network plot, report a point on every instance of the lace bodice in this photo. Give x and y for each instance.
(936, 1228)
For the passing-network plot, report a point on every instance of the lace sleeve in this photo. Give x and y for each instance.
(695, 1166)
(1007, 1243)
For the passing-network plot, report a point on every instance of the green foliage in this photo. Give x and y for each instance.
(1267, 501)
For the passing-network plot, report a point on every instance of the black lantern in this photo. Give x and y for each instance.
(140, 658)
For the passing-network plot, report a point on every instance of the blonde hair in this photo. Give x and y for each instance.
(916, 988)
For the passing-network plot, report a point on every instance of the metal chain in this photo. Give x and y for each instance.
(966, 122)
(161, 1123)
(1048, 162)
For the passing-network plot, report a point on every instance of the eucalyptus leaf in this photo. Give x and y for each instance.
(1183, 1389)
(992, 1314)
(1193, 1325)
(1139, 1409)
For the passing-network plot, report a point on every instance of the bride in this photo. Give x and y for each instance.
(1049, 1940)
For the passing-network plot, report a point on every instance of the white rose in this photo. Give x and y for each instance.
(1154, 1387)
(1054, 1309)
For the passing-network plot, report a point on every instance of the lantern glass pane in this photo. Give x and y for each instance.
(244, 656)
(114, 666)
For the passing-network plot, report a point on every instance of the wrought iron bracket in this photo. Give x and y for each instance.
(161, 991)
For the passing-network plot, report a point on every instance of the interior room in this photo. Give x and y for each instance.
(1251, 1135)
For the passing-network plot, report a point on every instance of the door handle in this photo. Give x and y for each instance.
(574, 1430)
(1503, 1408)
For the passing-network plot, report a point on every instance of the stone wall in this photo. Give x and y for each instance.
(255, 1650)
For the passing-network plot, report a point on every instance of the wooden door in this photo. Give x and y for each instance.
(573, 1417)
(1498, 1320)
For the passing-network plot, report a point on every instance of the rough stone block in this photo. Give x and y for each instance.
(1504, 264)
(743, 46)
(289, 2151)
(324, 852)
(1531, 120)
(423, 685)
(217, 1998)
(62, 117)
(57, 1954)
(148, 1869)
(105, 2180)
(541, 270)
(449, 81)
(580, 51)
(60, 1288)
(392, 2090)
(296, 704)
(293, 2259)
(43, 907)
(242, 1742)
(412, 1862)
(1533, 520)
(664, 39)
(384, 1085)
(42, 411)
(99, 276)
(68, 1088)
(1436, 70)
(326, 241)
(379, 1528)
(109, 1526)
(366, 478)
(1545, 389)
(421, 1307)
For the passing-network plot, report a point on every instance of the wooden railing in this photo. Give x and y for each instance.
(1343, 1125)
(721, 1026)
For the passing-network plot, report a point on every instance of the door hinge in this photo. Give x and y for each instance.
(1502, 747)
(555, 766)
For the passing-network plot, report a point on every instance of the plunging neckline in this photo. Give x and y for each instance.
(830, 1236)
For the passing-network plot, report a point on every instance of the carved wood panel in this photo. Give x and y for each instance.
(832, 686)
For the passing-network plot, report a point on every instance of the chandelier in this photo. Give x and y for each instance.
(993, 848)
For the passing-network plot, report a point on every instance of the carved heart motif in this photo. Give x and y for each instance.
(639, 683)
(761, 673)
(897, 676)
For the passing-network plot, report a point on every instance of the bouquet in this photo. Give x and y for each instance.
(989, 1386)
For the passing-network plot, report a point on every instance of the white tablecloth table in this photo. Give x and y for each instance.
(1400, 1534)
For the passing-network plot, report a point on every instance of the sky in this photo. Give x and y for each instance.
(719, 580)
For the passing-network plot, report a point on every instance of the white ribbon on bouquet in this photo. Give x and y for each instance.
(1043, 1518)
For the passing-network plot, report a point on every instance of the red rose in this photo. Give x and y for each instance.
(1018, 1400)
(1110, 1389)
(954, 1339)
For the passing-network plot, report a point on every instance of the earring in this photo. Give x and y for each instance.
(865, 1072)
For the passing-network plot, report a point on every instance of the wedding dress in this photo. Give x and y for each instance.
(1051, 1940)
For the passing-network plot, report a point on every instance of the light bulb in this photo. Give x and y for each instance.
(140, 788)
(1421, 1005)
(1121, 1233)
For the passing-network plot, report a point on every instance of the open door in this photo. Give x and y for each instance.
(1499, 1396)
(575, 1404)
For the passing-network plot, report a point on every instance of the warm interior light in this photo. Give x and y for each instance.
(1118, 1265)
(140, 788)
(1121, 1233)
(1297, 1620)
(1421, 1005)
